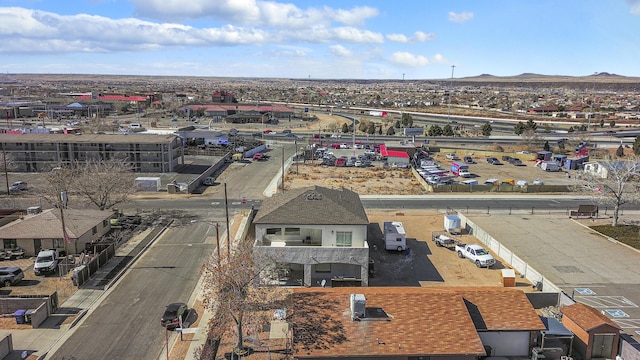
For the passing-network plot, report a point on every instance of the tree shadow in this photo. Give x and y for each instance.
(315, 327)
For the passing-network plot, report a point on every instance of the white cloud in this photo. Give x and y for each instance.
(340, 50)
(252, 12)
(412, 60)
(461, 17)
(418, 36)
(408, 59)
(634, 6)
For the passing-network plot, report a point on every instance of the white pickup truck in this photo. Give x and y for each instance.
(476, 254)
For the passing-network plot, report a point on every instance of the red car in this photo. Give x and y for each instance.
(268, 131)
(259, 156)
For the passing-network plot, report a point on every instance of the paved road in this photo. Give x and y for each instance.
(126, 324)
(476, 203)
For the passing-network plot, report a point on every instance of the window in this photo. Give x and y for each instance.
(292, 231)
(9, 243)
(105, 223)
(323, 268)
(58, 243)
(274, 231)
(343, 238)
(94, 230)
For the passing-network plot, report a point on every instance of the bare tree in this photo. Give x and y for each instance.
(531, 140)
(235, 292)
(105, 183)
(60, 180)
(613, 182)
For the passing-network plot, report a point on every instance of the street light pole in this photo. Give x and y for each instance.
(450, 91)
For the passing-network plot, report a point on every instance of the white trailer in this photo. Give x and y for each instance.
(395, 237)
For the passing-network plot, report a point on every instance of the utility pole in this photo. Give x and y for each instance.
(283, 169)
(593, 98)
(65, 238)
(226, 207)
(450, 92)
(6, 171)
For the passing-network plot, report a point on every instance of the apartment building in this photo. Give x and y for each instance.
(43, 152)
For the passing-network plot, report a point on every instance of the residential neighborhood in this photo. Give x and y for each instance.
(304, 219)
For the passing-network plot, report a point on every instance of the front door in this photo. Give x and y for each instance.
(37, 246)
(602, 345)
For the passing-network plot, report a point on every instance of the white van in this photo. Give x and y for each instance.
(135, 126)
(550, 166)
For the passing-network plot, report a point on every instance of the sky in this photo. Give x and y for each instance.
(321, 39)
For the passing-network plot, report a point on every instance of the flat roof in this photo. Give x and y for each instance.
(86, 138)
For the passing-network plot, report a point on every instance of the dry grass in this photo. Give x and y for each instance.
(361, 180)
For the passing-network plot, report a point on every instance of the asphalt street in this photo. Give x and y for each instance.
(126, 324)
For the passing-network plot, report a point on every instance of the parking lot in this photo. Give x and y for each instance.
(426, 264)
(481, 170)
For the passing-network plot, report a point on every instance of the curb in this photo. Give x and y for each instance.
(135, 258)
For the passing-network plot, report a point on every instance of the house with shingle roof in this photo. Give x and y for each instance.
(43, 230)
(318, 237)
(412, 323)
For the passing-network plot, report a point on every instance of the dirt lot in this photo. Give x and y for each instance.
(34, 285)
(426, 264)
(364, 181)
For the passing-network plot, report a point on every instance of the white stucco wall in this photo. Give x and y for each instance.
(358, 238)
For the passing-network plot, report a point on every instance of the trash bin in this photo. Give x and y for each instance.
(19, 315)
(27, 316)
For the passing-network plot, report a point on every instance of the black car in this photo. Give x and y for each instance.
(493, 161)
(174, 315)
(516, 162)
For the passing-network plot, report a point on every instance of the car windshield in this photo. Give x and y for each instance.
(170, 313)
(482, 252)
(44, 259)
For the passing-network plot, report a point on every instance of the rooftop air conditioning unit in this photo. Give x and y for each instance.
(358, 306)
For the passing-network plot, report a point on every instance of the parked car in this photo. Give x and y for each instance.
(259, 156)
(174, 315)
(286, 131)
(46, 262)
(233, 132)
(10, 275)
(464, 173)
(469, 160)
(493, 161)
(209, 181)
(268, 131)
(452, 156)
(476, 254)
(12, 253)
(516, 162)
(18, 186)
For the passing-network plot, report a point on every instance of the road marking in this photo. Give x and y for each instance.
(628, 323)
(617, 313)
(585, 291)
(604, 302)
(215, 203)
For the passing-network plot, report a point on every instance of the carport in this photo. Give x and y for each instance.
(555, 331)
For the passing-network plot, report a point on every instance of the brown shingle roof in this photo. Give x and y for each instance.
(587, 317)
(334, 207)
(47, 224)
(422, 321)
